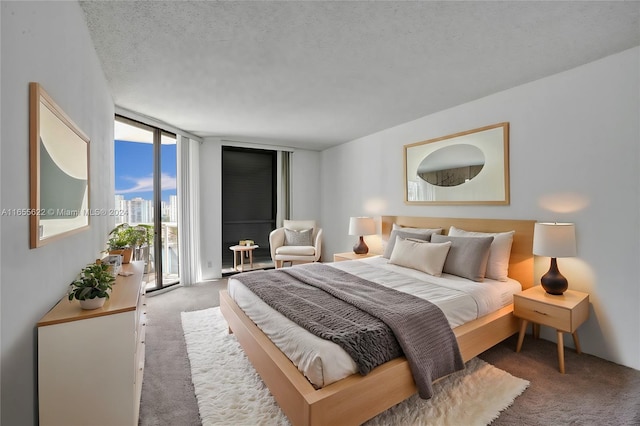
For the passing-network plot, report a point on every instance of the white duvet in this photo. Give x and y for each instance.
(324, 362)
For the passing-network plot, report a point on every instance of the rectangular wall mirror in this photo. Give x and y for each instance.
(470, 167)
(58, 171)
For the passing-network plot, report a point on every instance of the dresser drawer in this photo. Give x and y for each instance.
(541, 313)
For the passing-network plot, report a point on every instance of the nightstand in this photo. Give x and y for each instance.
(339, 257)
(564, 312)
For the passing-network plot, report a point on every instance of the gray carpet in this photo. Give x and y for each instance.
(168, 397)
(592, 392)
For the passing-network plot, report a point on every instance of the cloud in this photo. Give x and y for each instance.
(145, 184)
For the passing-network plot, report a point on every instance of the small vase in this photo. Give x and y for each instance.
(95, 303)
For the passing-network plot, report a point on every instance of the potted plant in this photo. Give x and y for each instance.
(122, 240)
(92, 286)
(143, 236)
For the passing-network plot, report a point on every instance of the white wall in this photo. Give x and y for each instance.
(305, 189)
(45, 42)
(575, 156)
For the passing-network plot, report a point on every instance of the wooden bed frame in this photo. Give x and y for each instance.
(357, 398)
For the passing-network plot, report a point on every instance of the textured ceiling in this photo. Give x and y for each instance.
(317, 74)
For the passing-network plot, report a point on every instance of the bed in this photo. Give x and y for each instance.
(357, 398)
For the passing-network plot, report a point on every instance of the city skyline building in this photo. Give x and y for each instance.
(139, 210)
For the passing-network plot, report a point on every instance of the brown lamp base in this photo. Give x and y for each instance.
(361, 247)
(553, 281)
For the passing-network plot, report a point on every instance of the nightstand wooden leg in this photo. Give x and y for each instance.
(561, 352)
(536, 331)
(576, 341)
(523, 329)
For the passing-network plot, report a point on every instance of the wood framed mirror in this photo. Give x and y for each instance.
(58, 171)
(470, 167)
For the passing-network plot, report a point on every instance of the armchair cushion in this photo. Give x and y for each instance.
(296, 250)
(294, 237)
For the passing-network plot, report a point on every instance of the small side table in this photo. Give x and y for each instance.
(339, 257)
(564, 312)
(242, 249)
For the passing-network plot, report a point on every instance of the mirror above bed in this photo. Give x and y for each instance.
(470, 167)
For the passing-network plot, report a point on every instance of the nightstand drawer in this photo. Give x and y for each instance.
(540, 313)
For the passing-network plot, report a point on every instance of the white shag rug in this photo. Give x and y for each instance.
(230, 392)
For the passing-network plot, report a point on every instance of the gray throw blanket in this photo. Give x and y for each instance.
(372, 323)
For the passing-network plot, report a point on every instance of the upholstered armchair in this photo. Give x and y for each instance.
(297, 241)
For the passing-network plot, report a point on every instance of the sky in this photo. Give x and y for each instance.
(134, 170)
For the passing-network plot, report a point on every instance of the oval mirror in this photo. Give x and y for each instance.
(486, 147)
(452, 165)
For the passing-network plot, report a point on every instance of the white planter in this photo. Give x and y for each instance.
(94, 303)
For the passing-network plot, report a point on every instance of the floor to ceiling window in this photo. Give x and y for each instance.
(146, 192)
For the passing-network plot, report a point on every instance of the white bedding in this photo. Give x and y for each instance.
(324, 362)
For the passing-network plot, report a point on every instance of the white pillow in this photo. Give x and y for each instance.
(499, 252)
(421, 256)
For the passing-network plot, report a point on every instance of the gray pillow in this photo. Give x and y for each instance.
(467, 256)
(402, 234)
(294, 237)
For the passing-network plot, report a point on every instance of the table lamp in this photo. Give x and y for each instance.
(554, 240)
(361, 226)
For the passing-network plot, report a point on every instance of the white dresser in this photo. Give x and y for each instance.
(90, 363)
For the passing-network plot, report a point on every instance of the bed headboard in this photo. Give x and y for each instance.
(521, 260)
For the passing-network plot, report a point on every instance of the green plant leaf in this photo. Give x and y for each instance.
(93, 281)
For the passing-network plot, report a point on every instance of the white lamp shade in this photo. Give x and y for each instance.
(362, 226)
(554, 239)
